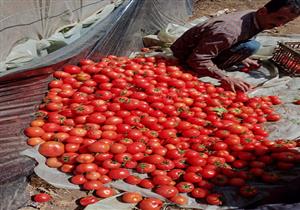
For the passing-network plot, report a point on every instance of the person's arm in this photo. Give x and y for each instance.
(209, 46)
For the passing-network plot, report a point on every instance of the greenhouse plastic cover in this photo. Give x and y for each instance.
(120, 33)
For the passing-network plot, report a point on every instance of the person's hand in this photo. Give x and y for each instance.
(248, 62)
(235, 84)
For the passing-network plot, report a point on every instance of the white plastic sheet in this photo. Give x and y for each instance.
(49, 26)
(51, 175)
(288, 89)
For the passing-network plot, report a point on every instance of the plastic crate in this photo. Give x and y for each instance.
(287, 57)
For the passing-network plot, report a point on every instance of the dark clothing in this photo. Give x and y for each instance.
(200, 46)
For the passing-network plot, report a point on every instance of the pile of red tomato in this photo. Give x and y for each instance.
(102, 120)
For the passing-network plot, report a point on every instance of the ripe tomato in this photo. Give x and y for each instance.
(37, 123)
(99, 147)
(86, 167)
(281, 165)
(165, 165)
(214, 199)
(71, 69)
(248, 191)
(85, 158)
(134, 180)
(34, 132)
(51, 149)
(273, 117)
(42, 197)
(92, 185)
(270, 177)
(145, 168)
(179, 199)
(93, 175)
(132, 197)
(110, 164)
(78, 179)
(146, 183)
(88, 200)
(154, 159)
(119, 173)
(161, 180)
(208, 173)
(34, 141)
(117, 148)
(185, 187)
(237, 182)
(297, 102)
(237, 129)
(53, 162)
(199, 193)
(175, 173)
(150, 204)
(166, 191)
(105, 192)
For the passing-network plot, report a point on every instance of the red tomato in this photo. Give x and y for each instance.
(78, 179)
(179, 199)
(199, 193)
(145, 168)
(105, 192)
(85, 158)
(119, 173)
(161, 180)
(99, 147)
(270, 177)
(132, 197)
(214, 199)
(86, 167)
(237, 182)
(34, 141)
(297, 102)
(34, 131)
(175, 173)
(146, 183)
(185, 187)
(92, 185)
(208, 173)
(117, 148)
(42, 197)
(93, 175)
(134, 180)
(53, 162)
(51, 149)
(150, 204)
(248, 191)
(71, 69)
(88, 200)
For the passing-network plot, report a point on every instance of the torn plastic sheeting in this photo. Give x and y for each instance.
(119, 34)
(148, 18)
(18, 100)
(25, 52)
(80, 49)
(37, 20)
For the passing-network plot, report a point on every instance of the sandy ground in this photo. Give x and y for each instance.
(207, 7)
